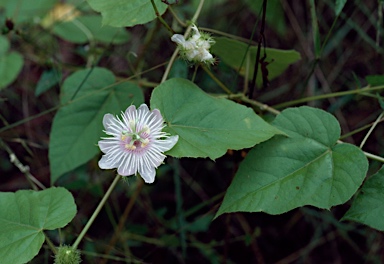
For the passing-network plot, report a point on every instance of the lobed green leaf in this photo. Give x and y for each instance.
(305, 168)
(207, 126)
(368, 206)
(23, 217)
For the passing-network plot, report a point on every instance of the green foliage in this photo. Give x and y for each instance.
(25, 214)
(339, 5)
(207, 126)
(48, 79)
(122, 13)
(305, 168)
(87, 29)
(368, 206)
(77, 126)
(22, 11)
(375, 80)
(294, 161)
(315, 29)
(233, 53)
(274, 16)
(10, 63)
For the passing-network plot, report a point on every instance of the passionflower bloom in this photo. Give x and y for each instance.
(196, 47)
(137, 142)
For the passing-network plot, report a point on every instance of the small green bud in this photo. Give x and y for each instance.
(67, 255)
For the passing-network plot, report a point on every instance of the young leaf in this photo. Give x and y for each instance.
(48, 79)
(375, 80)
(207, 126)
(305, 168)
(339, 5)
(23, 217)
(123, 13)
(368, 207)
(232, 53)
(77, 127)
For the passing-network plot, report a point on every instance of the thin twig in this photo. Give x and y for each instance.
(96, 212)
(325, 96)
(23, 168)
(162, 21)
(261, 41)
(371, 130)
(222, 85)
(123, 219)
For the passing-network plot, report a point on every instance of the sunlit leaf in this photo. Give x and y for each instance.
(232, 52)
(368, 207)
(123, 13)
(77, 127)
(207, 126)
(305, 168)
(23, 217)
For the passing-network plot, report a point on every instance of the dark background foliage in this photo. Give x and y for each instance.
(171, 220)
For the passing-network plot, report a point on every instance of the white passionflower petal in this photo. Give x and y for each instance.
(148, 174)
(196, 47)
(136, 143)
(179, 39)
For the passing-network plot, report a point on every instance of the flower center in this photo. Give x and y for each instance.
(135, 139)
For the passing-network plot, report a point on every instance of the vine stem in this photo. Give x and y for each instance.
(50, 244)
(96, 212)
(325, 96)
(123, 219)
(160, 18)
(222, 85)
(371, 129)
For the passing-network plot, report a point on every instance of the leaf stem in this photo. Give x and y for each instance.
(222, 85)
(218, 32)
(176, 17)
(160, 18)
(96, 212)
(374, 157)
(371, 129)
(245, 99)
(50, 244)
(325, 96)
